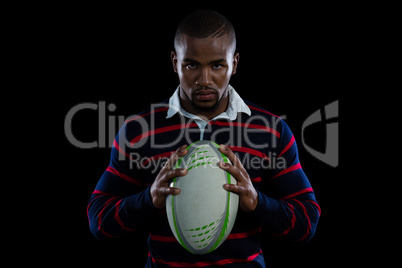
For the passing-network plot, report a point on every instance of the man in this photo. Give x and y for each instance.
(274, 193)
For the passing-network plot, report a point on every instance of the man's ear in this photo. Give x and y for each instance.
(173, 57)
(236, 58)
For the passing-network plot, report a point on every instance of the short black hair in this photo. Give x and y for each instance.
(205, 24)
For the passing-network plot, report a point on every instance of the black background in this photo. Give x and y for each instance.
(293, 61)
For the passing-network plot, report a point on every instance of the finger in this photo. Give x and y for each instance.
(234, 171)
(172, 190)
(233, 188)
(173, 173)
(180, 152)
(233, 158)
(169, 190)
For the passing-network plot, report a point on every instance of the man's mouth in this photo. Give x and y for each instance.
(205, 94)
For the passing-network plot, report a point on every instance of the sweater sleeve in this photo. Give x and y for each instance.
(113, 210)
(289, 208)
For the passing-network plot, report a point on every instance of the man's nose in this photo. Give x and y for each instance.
(205, 78)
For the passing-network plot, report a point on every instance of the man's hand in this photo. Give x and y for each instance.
(248, 196)
(160, 187)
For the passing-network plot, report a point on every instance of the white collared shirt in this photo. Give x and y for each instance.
(236, 105)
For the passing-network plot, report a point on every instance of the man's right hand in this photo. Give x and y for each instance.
(160, 187)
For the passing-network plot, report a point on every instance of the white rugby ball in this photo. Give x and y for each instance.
(203, 214)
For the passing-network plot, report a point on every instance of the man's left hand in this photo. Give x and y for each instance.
(248, 196)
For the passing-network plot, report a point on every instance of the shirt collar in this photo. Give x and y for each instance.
(236, 105)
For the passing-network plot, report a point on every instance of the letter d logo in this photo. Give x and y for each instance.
(331, 155)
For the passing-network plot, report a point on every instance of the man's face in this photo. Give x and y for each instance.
(204, 67)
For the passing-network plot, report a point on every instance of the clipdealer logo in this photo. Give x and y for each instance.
(108, 125)
(331, 154)
(102, 113)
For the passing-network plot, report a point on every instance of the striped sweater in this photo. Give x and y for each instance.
(121, 202)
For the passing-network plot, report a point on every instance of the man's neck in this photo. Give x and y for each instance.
(206, 114)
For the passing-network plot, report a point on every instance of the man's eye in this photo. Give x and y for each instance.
(191, 66)
(217, 66)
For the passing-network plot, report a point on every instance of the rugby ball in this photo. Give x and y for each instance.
(203, 214)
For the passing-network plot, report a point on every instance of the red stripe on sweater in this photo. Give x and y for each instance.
(292, 140)
(248, 151)
(261, 110)
(123, 176)
(230, 236)
(206, 263)
(307, 217)
(162, 109)
(90, 204)
(245, 234)
(116, 145)
(315, 204)
(258, 179)
(287, 170)
(100, 192)
(158, 156)
(163, 238)
(161, 130)
(293, 222)
(100, 216)
(117, 217)
(246, 125)
(307, 190)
